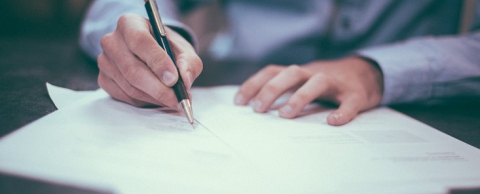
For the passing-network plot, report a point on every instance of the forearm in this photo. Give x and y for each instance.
(427, 69)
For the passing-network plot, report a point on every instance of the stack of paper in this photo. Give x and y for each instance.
(99, 142)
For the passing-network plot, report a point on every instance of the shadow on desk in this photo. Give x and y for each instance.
(459, 117)
(26, 65)
(38, 44)
(22, 185)
(465, 191)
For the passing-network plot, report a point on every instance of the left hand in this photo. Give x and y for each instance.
(353, 83)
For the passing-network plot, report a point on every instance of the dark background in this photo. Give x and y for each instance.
(39, 44)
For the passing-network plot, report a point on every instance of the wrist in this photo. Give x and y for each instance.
(373, 72)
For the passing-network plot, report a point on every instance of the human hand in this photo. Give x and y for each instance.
(353, 83)
(136, 70)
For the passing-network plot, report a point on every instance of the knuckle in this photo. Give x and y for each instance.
(295, 69)
(116, 76)
(136, 40)
(156, 61)
(321, 78)
(298, 71)
(131, 74)
(124, 20)
(302, 97)
(106, 41)
(272, 70)
(182, 56)
(160, 96)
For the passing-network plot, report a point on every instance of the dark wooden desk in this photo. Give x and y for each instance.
(26, 63)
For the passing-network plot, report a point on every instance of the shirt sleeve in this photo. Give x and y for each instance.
(429, 69)
(102, 17)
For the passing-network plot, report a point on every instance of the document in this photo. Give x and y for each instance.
(63, 97)
(102, 143)
(381, 151)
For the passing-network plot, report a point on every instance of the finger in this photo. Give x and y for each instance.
(116, 92)
(252, 86)
(109, 70)
(315, 87)
(190, 67)
(139, 40)
(348, 109)
(135, 71)
(188, 62)
(292, 76)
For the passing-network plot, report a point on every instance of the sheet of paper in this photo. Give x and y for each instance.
(63, 97)
(381, 150)
(99, 142)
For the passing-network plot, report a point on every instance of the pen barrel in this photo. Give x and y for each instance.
(179, 87)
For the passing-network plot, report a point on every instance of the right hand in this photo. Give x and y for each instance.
(136, 70)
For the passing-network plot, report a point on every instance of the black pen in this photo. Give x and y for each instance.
(161, 37)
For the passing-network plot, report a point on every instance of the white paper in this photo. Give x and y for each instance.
(63, 97)
(99, 142)
(380, 151)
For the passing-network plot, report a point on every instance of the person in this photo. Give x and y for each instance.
(357, 54)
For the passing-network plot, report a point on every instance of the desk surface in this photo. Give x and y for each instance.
(27, 63)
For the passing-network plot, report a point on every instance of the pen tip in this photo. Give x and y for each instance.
(187, 108)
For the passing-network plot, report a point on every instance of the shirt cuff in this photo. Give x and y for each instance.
(405, 71)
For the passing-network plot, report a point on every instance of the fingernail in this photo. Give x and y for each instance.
(336, 116)
(286, 110)
(168, 78)
(239, 99)
(257, 105)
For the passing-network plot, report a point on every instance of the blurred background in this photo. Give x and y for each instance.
(39, 44)
(61, 19)
(41, 18)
